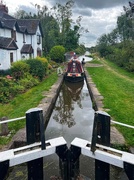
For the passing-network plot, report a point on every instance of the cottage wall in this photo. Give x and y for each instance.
(17, 55)
(5, 32)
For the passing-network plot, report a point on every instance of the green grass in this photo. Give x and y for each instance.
(120, 70)
(20, 104)
(118, 93)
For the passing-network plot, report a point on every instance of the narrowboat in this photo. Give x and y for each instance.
(74, 71)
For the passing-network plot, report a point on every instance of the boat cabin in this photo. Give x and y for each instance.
(74, 71)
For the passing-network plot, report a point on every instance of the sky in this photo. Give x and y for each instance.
(99, 16)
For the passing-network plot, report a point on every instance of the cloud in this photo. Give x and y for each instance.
(83, 12)
(94, 4)
(99, 16)
(100, 4)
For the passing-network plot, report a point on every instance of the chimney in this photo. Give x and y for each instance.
(3, 8)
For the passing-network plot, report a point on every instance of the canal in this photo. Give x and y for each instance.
(72, 117)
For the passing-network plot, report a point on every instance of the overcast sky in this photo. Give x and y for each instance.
(99, 16)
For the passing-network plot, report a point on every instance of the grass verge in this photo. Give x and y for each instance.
(20, 104)
(117, 88)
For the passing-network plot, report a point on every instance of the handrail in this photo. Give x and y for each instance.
(11, 120)
(122, 124)
(20, 118)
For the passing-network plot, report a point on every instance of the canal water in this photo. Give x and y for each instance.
(72, 117)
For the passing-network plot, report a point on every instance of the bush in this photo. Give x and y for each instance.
(5, 89)
(19, 69)
(16, 89)
(130, 65)
(37, 68)
(57, 54)
(28, 82)
(44, 62)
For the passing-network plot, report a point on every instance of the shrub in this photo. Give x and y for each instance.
(53, 64)
(16, 89)
(57, 53)
(5, 92)
(37, 68)
(19, 69)
(28, 82)
(130, 65)
(44, 62)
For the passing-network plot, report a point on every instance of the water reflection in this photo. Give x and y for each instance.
(72, 117)
(72, 113)
(64, 107)
(73, 89)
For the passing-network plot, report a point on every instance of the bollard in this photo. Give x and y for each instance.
(101, 135)
(34, 133)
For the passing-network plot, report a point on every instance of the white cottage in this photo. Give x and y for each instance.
(19, 38)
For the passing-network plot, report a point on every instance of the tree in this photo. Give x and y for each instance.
(57, 53)
(57, 25)
(70, 31)
(21, 14)
(51, 33)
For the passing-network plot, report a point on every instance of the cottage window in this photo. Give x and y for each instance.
(13, 34)
(11, 58)
(38, 39)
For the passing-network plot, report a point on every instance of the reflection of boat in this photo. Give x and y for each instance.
(74, 71)
(74, 89)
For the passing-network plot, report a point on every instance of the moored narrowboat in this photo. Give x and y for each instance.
(74, 71)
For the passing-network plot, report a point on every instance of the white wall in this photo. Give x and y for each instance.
(29, 39)
(5, 32)
(5, 58)
(19, 38)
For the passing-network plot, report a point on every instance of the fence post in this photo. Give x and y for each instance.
(35, 132)
(101, 135)
(4, 127)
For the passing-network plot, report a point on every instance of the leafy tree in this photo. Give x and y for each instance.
(57, 25)
(51, 33)
(70, 31)
(80, 50)
(63, 16)
(57, 53)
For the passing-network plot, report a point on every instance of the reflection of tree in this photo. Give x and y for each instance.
(65, 103)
